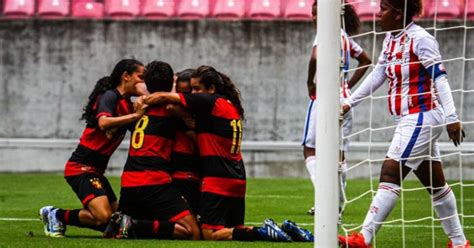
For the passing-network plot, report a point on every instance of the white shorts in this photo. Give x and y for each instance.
(309, 135)
(415, 139)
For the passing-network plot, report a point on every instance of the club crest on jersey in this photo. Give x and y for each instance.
(96, 183)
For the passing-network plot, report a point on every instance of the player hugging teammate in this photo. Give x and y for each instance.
(184, 161)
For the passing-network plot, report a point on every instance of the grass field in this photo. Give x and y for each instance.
(21, 195)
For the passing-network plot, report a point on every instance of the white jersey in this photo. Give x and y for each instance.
(350, 49)
(408, 59)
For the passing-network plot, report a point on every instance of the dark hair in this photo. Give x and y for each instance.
(350, 22)
(413, 7)
(185, 75)
(107, 83)
(224, 86)
(158, 76)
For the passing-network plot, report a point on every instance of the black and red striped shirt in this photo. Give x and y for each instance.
(219, 135)
(149, 155)
(184, 158)
(96, 146)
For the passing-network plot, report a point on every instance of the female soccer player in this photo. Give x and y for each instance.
(107, 115)
(350, 49)
(420, 100)
(216, 104)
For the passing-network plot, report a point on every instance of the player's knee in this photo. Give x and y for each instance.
(181, 232)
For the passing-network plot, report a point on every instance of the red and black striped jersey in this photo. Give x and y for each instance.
(219, 135)
(96, 146)
(184, 158)
(149, 155)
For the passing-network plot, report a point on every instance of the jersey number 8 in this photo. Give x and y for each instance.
(139, 131)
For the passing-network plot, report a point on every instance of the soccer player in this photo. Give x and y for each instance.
(216, 104)
(350, 49)
(151, 206)
(420, 100)
(186, 165)
(107, 115)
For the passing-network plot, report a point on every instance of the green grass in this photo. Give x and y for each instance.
(21, 195)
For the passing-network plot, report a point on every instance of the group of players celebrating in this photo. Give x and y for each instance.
(184, 177)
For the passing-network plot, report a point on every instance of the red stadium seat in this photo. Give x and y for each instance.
(158, 9)
(53, 8)
(88, 10)
(229, 9)
(367, 9)
(122, 9)
(193, 9)
(298, 10)
(264, 9)
(470, 10)
(18, 8)
(443, 9)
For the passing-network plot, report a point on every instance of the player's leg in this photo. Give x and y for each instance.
(431, 176)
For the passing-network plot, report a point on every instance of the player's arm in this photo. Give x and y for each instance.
(162, 97)
(180, 112)
(105, 113)
(364, 62)
(428, 51)
(311, 73)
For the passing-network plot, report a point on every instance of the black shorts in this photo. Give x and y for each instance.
(219, 212)
(191, 191)
(157, 202)
(88, 186)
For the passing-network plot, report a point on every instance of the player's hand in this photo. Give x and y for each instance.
(312, 91)
(345, 108)
(140, 106)
(455, 133)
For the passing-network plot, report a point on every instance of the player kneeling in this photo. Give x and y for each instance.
(151, 207)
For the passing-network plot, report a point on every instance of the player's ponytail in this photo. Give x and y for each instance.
(107, 83)
(232, 93)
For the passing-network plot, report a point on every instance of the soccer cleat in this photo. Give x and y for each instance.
(297, 233)
(125, 227)
(56, 227)
(310, 211)
(270, 231)
(43, 213)
(113, 227)
(355, 240)
(467, 245)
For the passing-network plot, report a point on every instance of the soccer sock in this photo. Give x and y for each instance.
(69, 217)
(310, 163)
(342, 184)
(246, 234)
(444, 203)
(380, 208)
(147, 229)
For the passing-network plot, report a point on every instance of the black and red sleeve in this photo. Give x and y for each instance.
(199, 103)
(107, 103)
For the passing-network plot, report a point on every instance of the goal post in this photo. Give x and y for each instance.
(327, 116)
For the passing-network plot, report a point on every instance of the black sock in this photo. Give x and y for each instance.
(246, 234)
(71, 217)
(147, 229)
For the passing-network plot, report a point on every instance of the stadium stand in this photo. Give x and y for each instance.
(264, 9)
(122, 9)
(367, 9)
(158, 9)
(193, 9)
(87, 10)
(53, 9)
(298, 10)
(470, 10)
(229, 9)
(444, 9)
(18, 9)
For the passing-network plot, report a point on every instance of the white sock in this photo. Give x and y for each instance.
(444, 203)
(381, 206)
(342, 184)
(310, 163)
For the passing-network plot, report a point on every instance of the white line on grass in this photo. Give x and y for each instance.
(301, 224)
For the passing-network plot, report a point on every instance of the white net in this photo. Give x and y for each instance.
(413, 222)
